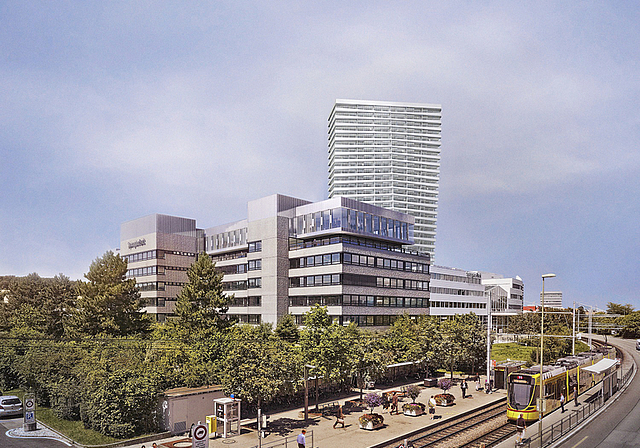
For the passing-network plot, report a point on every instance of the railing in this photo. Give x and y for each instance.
(288, 442)
(562, 427)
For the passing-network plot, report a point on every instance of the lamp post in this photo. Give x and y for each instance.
(306, 390)
(541, 404)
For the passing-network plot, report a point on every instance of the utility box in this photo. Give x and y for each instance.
(183, 407)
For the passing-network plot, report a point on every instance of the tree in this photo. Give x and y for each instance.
(630, 325)
(259, 365)
(108, 304)
(616, 308)
(202, 303)
(287, 330)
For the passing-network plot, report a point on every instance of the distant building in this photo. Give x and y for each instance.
(552, 299)
(388, 154)
(507, 298)
(456, 291)
(286, 256)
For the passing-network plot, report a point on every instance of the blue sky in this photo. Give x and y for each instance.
(114, 110)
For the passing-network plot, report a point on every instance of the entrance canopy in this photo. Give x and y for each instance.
(601, 366)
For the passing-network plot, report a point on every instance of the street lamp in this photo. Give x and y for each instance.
(541, 404)
(306, 390)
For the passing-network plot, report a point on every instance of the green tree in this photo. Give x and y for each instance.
(616, 308)
(287, 330)
(202, 304)
(259, 365)
(630, 325)
(108, 304)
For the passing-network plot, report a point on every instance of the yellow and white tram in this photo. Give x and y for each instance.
(523, 387)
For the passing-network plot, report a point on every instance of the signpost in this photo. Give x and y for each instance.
(200, 438)
(30, 412)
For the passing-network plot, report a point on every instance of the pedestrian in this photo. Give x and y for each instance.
(432, 407)
(521, 425)
(562, 401)
(385, 401)
(154, 445)
(339, 418)
(478, 387)
(463, 387)
(394, 403)
(302, 440)
(575, 395)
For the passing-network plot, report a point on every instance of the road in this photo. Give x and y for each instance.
(9, 442)
(619, 425)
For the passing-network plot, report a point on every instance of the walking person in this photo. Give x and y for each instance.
(394, 403)
(521, 425)
(463, 387)
(432, 407)
(302, 440)
(575, 395)
(339, 418)
(562, 401)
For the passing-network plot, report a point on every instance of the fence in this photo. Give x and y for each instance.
(562, 427)
(288, 442)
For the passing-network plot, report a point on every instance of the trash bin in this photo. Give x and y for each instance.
(212, 424)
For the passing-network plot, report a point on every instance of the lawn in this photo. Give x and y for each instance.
(75, 430)
(516, 352)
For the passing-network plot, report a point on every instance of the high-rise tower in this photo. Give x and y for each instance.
(388, 154)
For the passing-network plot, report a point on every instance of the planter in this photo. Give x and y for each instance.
(413, 412)
(444, 399)
(371, 421)
(413, 409)
(370, 426)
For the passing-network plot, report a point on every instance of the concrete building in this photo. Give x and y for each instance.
(507, 298)
(286, 256)
(552, 299)
(455, 291)
(388, 154)
(159, 250)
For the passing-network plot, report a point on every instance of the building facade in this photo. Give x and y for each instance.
(288, 255)
(159, 250)
(388, 154)
(552, 299)
(507, 298)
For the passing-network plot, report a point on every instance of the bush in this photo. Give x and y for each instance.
(372, 401)
(413, 406)
(376, 419)
(444, 399)
(445, 384)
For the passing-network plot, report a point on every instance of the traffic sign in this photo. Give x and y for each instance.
(29, 417)
(200, 437)
(29, 404)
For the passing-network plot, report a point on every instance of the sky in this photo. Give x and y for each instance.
(110, 111)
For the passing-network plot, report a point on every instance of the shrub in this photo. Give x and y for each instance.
(372, 401)
(413, 406)
(376, 419)
(445, 384)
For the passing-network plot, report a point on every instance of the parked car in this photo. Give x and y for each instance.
(10, 405)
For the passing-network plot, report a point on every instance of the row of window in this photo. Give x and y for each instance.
(229, 256)
(150, 286)
(295, 244)
(472, 279)
(155, 254)
(457, 292)
(253, 319)
(246, 301)
(357, 280)
(361, 321)
(440, 304)
(240, 285)
(358, 260)
(359, 300)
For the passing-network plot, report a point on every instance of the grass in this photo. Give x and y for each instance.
(74, 430)
(516, 352)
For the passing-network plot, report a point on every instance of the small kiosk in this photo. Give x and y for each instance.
(227, 415)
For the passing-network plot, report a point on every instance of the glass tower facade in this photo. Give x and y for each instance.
(388, 154)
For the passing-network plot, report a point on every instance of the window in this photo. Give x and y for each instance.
(255, 246)
(254, 283)
(255, 265)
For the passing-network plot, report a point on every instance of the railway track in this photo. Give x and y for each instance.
(457, 431)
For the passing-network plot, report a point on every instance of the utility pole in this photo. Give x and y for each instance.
(573, 348)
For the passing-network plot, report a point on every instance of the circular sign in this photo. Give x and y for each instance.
(200, 432)
(29, 403)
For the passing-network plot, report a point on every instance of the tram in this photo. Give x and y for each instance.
(523, 387)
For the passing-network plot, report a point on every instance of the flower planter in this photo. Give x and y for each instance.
(413, 412)
(370, 426)
(371, 421)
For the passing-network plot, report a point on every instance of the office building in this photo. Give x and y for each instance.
(286, 256)
(552, 299)
(388, 154)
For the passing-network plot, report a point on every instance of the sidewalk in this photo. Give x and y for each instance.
(324, 436)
